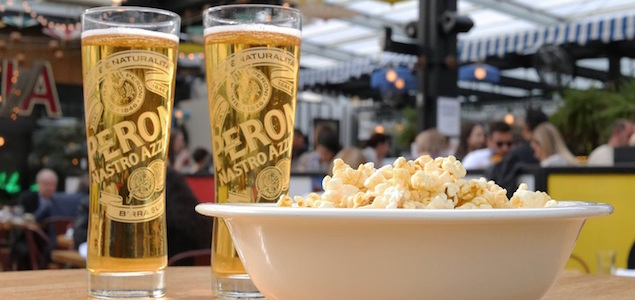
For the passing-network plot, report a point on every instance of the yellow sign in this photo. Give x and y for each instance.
(614, 232)
(191, 48)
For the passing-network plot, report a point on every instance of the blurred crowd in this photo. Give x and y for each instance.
(497, 149)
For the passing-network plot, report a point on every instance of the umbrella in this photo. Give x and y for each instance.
(21, 21)
(480, 73)
(390, 79)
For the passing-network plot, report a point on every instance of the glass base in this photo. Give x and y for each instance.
(235, 287)
(127, 284)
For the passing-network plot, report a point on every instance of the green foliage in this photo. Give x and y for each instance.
(409, 132)
(56, 147)
(586, 117)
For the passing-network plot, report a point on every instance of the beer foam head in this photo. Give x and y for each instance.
(256, 28)
(130, 31)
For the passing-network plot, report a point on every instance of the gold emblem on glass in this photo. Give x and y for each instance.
(123, 93)
(284, 165)
(269, 183)
(158, 168)
(141, 183)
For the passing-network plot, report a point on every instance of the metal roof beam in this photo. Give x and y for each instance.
(519, 83)
(521, 11)
(628, 5)
(376, 22)
(327, 52)
(590, 73)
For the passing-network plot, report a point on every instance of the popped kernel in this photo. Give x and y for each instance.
(527, 199)
(424, 183)
(285, 201)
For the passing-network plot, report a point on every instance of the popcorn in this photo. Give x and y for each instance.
(526, 198)
(424, 183)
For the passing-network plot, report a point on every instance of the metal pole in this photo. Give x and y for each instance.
(437, 73)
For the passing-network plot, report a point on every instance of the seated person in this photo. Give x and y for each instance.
(352, 156)
(42, 204)
(603, 155)
(432, 142)
(499, 142)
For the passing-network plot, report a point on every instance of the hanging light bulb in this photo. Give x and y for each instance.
(480, 73)
(380, 129)
(509, 118)
(391, 75)
(15, 36)
(54, 44)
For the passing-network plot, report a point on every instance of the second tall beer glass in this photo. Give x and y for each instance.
(252, 57)
(129, 66)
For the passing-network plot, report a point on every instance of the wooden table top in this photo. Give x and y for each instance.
(195, 283)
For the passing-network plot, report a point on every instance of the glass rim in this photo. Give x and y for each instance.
(229, 6)
(86, 15)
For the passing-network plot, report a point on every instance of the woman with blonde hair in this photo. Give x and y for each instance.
(432, 142)
(549, 147)
(352, 156)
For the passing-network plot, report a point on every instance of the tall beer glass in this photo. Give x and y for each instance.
(129, 66)
(252, 57)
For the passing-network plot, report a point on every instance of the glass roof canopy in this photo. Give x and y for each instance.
(329, 42)
(326, 42)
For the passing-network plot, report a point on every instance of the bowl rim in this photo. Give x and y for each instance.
(565, 209)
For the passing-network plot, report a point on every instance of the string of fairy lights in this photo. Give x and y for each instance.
(42, 19)
(61, 26)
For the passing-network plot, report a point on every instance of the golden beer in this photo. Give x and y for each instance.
(129, 78)
(252, 75)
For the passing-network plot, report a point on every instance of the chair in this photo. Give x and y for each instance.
(199, 257)
(56, 226)
(581, 262)
(37, 242)
(5, 250)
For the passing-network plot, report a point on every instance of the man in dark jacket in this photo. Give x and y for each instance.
(39, 203)
(505, 173)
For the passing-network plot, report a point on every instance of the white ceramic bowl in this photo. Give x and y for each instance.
(311, 253)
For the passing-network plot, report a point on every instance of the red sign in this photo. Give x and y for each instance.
(26, 88)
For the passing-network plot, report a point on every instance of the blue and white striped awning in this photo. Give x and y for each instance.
(606, 29)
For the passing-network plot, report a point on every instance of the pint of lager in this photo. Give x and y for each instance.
(129, 66)
(252, 57)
